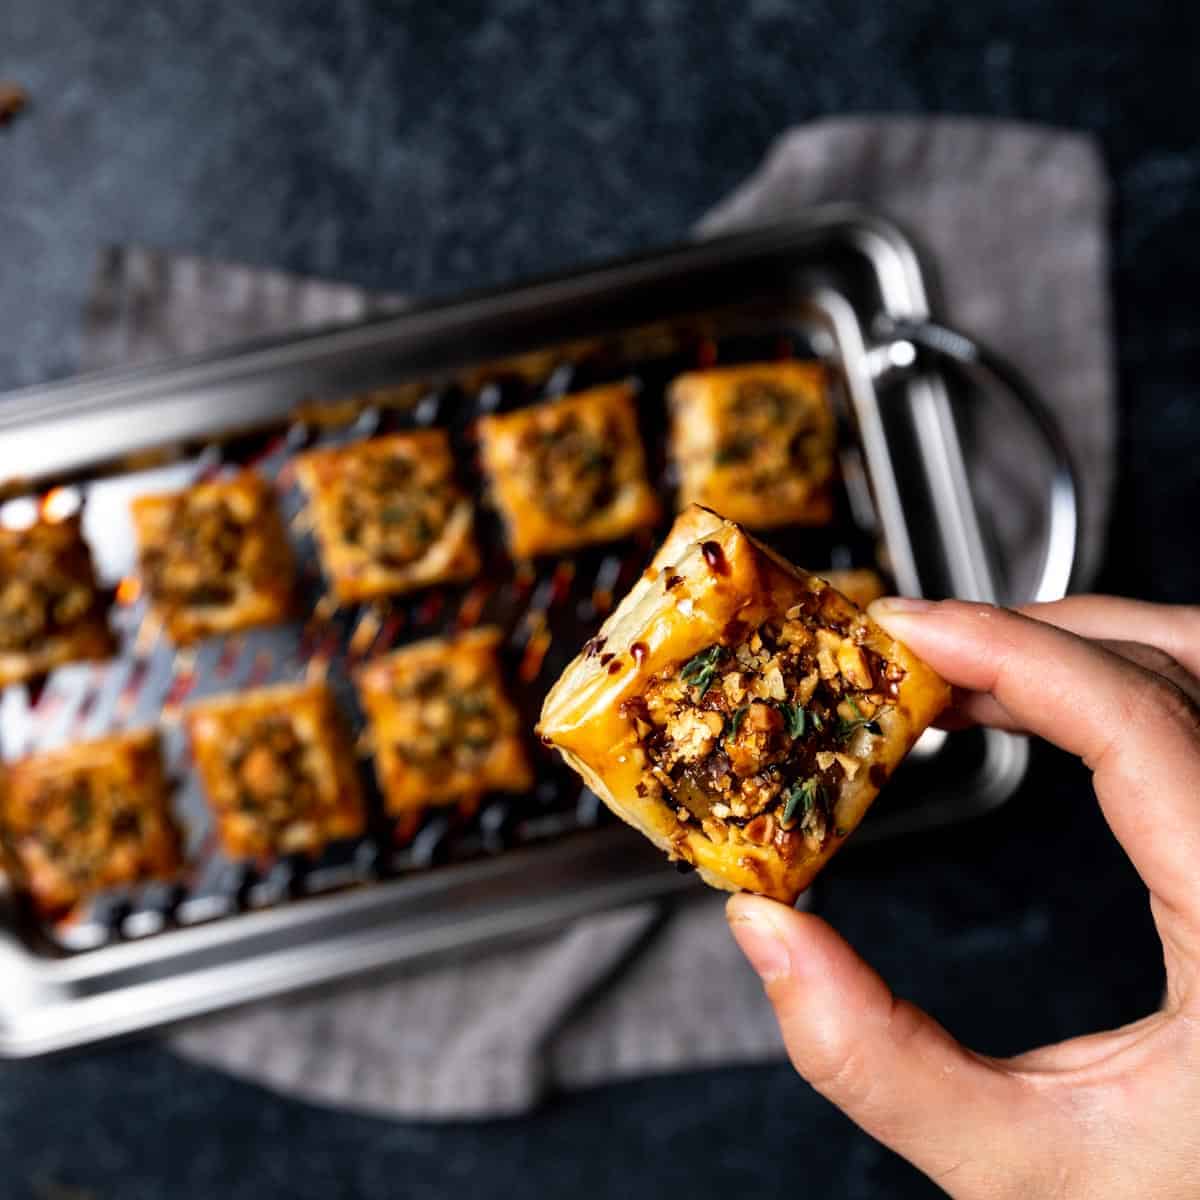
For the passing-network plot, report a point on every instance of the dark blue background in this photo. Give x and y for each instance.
(429, 148)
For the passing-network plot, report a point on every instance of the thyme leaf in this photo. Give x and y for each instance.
(795, 720)
(700, 670)
(846, 727)
(735, 721)
(799, 800)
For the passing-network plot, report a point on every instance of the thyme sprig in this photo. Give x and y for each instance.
(795, 720)
(700, 671)
(847, 726)
(736, 719)
(800, 800)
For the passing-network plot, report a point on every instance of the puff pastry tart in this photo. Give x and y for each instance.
(755, 443)
(389, 516)
(50, 609)
(278, 769)
(740, 712)
(89, 817)
(441, 723)
(570, 472)
(215, 557)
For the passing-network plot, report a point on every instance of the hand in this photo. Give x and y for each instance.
(1110, 1115)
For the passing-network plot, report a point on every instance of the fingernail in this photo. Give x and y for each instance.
(890, 605)
(760, 942)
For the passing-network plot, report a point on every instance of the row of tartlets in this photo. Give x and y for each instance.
(278, 770)
(755, 442)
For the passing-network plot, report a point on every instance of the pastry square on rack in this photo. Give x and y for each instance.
(740, 712)
(215, 557)
(94, 815)
(278, 769)
(389, 515)
(51, 610)
(442, 725)
(755, 443)
(860, 585)
(569, 472)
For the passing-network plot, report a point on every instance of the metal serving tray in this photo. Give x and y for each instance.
(824, 283)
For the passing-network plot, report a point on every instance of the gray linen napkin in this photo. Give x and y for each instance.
(1015, 220)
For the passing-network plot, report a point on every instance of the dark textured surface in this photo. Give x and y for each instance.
(404, 147)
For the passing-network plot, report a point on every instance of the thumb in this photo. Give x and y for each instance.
(889, 1066)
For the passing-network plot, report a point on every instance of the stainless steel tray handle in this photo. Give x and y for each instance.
(906, 342)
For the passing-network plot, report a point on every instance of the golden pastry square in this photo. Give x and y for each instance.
(51, 610)
(442, 725)
(740, 712)
(89, 817)
(389, 515)
(755, 443)
(215, 557)
(278, 770)
(569, 472)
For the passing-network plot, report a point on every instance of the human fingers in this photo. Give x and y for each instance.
(1139, 733)
(889, 1066)
(969, 708)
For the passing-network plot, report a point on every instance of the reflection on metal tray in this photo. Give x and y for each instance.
(517, 865)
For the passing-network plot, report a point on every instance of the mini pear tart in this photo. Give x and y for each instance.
(441, 722)
(90, 816)
(742, 713)
(389, 516)
(569, 472)
(215, 557)
(51, 608)
(756, 442)
(278, 769)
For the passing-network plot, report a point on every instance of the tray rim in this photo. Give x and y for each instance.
(31, 418)
(905, 292)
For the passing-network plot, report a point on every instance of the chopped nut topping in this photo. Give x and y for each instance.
(852, 662)
(691, 735)
(757, 734)
(806, 687)
(734, 685)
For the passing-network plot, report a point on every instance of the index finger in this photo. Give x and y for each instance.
(1139, 733)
